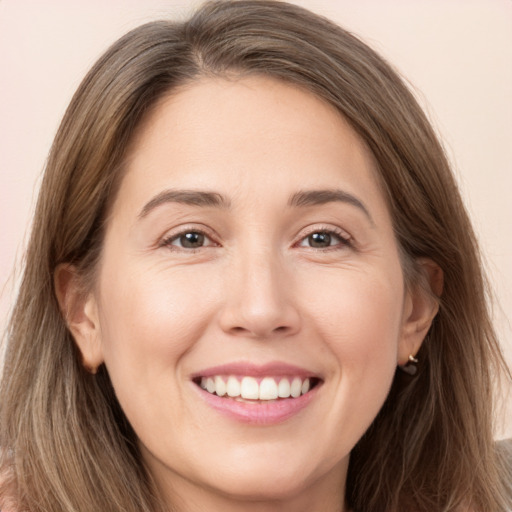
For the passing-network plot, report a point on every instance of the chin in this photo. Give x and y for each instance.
(270, 486)
(266, 478)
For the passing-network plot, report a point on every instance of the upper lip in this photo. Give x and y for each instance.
(242, 368)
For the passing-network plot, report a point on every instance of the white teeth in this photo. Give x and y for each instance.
(233, 387)
(296, 387)
(210, 385)
(248, 388)
(284, 388)
(220, 386)
(268, 389)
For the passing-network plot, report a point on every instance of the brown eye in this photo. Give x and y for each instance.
(191, 240)
(320, 240)
(188, 240)
(325, 239)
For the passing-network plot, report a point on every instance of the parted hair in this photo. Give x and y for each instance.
(65, 442)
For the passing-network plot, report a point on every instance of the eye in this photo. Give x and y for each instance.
(192, 239)
(323, 239)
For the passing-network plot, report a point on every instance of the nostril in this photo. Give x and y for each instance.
(260, 332)
(258, 319)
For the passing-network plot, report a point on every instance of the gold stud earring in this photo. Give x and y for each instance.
(93, 370)
(411, 367)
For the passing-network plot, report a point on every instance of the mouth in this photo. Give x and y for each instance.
(258, 395)
(257, 389)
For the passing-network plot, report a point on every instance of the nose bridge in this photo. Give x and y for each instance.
(259, 301)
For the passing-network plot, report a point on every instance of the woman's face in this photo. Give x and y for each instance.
(249, 251)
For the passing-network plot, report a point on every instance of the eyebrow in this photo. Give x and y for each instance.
(306, 198)
(189, 197)
(303, 198)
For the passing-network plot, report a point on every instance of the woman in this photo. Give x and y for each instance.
(245, 226)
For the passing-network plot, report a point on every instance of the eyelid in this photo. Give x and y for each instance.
(170, 236)
(345, 238)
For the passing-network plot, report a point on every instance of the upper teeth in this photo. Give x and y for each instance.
(249, 387)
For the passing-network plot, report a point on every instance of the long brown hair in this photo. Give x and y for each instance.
(66, 443)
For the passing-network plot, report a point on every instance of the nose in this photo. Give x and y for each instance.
(260, 302)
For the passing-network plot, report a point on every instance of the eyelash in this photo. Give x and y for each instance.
(344, 239)
(168, 241)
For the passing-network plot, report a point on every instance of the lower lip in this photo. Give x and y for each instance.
(259, 412)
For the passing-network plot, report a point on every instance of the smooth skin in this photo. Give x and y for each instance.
(186, 283)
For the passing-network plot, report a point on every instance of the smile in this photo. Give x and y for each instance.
(259, 395)
(252, 388)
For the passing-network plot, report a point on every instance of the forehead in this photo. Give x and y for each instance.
(247, 132)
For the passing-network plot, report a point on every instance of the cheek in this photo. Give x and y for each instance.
(151, 317)
(359, 308)
(360, 322)
(359, 316)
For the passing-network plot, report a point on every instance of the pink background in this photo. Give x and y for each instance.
(457, 53)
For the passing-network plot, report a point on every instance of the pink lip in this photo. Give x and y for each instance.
(258, 412)
(276, 369)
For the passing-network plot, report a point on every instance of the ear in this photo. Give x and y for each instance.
(421, 305)
(80, 312)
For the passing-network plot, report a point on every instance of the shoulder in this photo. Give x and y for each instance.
(504, 451)
(505, 448)
(7, 506)
(6, 501)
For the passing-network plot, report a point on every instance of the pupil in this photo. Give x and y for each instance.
(192, 240)
(320, 240)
